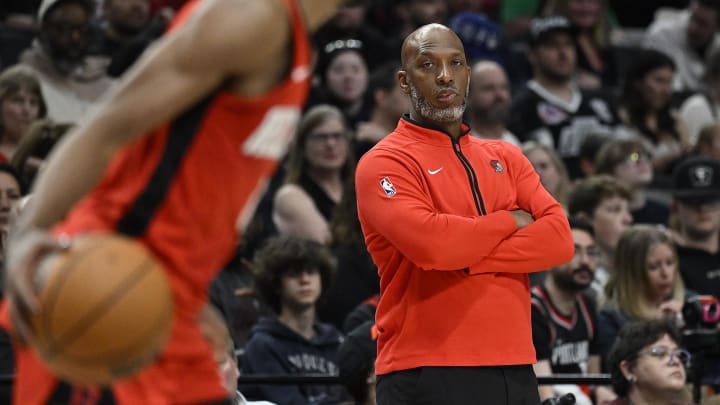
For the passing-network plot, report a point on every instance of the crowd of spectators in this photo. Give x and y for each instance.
(618, 112)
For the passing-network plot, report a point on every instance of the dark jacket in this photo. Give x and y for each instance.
(274, 348)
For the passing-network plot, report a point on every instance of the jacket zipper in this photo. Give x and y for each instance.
(472, 178)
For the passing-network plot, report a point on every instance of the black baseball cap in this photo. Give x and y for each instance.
(697, 179)
(542, 29)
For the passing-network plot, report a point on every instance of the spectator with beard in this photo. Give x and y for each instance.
(454, 224)
(489, 102)
(552, 110)
(71, 81)
(564, 319)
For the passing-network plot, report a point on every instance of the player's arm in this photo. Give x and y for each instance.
(294, 213)
(183, 68)
(409, 221)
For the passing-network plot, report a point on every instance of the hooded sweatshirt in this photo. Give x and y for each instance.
(275, 349)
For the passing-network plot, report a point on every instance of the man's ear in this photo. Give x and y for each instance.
(403, 81)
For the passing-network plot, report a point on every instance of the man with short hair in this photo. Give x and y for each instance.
(564, 319)
(489, 102)
(454, 224)
(696, 205)
(551, 109)
(604, 202)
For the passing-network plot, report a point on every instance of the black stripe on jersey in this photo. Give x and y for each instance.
(181, 133)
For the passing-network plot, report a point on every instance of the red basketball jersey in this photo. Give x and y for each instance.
(181, 190)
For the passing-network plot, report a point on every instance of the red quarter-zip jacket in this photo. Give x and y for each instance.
(453, 268)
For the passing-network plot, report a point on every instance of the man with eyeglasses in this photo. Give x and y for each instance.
(71, 81)
(696, 205)
(564, 319)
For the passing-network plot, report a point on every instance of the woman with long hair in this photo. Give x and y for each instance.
(646, 111)
(318, 163)
(645, 283)
(550, 168)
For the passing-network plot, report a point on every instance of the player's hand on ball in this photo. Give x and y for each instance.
(25, 252)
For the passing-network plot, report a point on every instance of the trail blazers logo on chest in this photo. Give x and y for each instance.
(388, 187)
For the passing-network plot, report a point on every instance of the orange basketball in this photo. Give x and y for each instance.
(105, 310)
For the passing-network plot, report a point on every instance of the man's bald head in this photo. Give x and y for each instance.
(425, 36)
(485, 66)
(435, 75)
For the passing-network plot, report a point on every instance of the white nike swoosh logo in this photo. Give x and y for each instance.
(435, 171)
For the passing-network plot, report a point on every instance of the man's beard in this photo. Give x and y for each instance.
(434, 114)
(698, 234)
(493, 115)
(566, 280)
(555, 76)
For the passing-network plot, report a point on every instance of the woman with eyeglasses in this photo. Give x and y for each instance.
(648, 365)
(318, 164)
(645, 283)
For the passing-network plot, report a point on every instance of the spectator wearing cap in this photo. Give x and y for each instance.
(70, 80)
(689, 37)
(595, 55)
(356, 363)
(551, 109)
(489, 100)
(696, 209)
